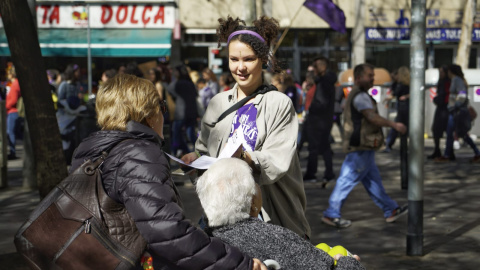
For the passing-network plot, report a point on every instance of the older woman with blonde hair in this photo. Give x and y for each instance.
(232, 201)
(402, 95)
(136, 174)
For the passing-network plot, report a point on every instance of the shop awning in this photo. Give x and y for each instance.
(103, 42)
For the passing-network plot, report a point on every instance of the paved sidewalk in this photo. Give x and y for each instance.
(451, 214)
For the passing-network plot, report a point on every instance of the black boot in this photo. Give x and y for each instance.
(435, 154)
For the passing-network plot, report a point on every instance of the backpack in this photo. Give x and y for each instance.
(77, 226)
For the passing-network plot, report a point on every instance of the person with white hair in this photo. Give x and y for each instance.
(232, 200)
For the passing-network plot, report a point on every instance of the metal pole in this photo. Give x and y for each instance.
(416, 130)
(89, 54)
(404, 161)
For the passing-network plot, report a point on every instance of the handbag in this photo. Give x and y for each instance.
(78, 226)
(473, 113)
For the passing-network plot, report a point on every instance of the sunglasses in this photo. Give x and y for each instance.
(163, 106)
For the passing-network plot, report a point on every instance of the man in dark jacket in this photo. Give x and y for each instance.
(320, 120)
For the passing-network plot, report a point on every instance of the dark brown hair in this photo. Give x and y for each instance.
(360, 69)
(265, 26)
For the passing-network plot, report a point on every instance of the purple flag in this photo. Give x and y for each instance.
(329, 12)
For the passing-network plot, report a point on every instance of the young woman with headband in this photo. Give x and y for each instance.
(267, 118)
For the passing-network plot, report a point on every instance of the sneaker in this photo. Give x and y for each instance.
(337, 222)
(456, 145)
(475, 159)
(327, 180)
(311, 179)
(400, 211)
(387, 150)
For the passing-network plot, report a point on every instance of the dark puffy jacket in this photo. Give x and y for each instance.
(136, 173)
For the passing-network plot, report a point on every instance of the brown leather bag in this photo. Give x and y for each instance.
(77, 226)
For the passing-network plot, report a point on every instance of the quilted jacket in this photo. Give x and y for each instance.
(136, 173)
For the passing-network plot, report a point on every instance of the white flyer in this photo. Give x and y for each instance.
(233, 143)
(204, 162)
(201, 163)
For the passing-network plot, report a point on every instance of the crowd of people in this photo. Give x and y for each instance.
(259, 192)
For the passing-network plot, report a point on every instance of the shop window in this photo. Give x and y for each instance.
(388, 57)
(443, 57)
(311, 38)
(338, 39)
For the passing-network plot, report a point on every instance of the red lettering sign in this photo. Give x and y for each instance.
(45, 13)
(160, 15)
(144, 19)
(107, 13)
(132, 18)
(121, 20)
(55, 15)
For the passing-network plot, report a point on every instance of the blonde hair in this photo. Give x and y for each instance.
(403, 75)
(124, 98)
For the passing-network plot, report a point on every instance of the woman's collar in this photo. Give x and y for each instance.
(233, 98)
(141, 130)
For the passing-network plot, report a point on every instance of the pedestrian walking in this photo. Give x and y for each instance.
(401, 92)
(363, 136)
(319, 121)
(459, 119)
(13, 97)
(184, 93)
(440, 118)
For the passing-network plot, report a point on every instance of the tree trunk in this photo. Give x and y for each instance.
(358, 34)
(26, 55)
(463, 52)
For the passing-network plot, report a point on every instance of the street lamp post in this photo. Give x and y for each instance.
(416, 130)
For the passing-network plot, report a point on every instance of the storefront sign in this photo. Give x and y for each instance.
(106, 16)
(432, 34)
(387, 17)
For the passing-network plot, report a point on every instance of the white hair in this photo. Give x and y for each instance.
(225, 191)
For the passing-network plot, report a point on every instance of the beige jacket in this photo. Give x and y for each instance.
(275, 155)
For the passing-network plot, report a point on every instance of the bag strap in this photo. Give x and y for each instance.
(260, 90)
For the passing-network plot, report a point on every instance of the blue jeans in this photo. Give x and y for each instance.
(449, 143)
(11, 122)
(178, 141)
(359, 167)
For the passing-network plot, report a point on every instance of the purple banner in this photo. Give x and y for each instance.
(329, 12)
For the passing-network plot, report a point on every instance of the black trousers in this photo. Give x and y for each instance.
(318, 132)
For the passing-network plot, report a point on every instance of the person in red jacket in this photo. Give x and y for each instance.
(13, 94)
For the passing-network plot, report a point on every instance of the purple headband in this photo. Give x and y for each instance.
(248, 32)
